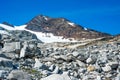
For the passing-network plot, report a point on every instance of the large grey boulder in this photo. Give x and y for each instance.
(18, 75)
(57, 77)
(38, 64)
(30, 49)
(23, 50)
(12, 46)
(114, 65)
(23, 35)
(75, 54)
(6, 63)
(2, 74)
(11, 55)
(106, 68)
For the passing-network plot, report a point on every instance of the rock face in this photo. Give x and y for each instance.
(62, 27)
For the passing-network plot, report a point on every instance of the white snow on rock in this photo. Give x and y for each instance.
(85, 28)
(45, 18)
(44, 37)
(3, 32)
(72, 24)
(7, 27)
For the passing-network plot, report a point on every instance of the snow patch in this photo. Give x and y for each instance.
(7, 27)
(85, 28)
(45, 18)
(22, 27)
(72, 24)
(44, 37)
(3, 32)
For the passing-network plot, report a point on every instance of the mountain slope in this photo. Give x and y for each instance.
(62, 27)
(56, 30)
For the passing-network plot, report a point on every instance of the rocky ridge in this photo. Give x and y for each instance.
(63, 27)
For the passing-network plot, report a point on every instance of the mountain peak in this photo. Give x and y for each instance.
(62, 27)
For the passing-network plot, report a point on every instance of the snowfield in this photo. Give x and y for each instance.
(44, 37)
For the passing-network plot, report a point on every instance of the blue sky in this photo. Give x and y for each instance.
(101, 15)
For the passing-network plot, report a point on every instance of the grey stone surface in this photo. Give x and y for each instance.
(9, 47)
(57, 77)
(19, 75)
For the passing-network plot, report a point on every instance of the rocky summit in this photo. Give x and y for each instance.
(63, 27)
(37, 51)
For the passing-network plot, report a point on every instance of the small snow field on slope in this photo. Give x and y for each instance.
(44, 37)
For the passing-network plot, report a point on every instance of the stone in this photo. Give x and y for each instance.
(56, 70)
(11, 55)
(23, 50)
(32, 46)
(90, 68)
(80, 63)
(2, 73)
(89, 60)
(48, 63)
(6, 63)
(46, 72)
(73, 78)
(52, 67)
(75, 54)
(61, 57)
(82, 70)
(98, 78)
(38, 64)
(106, 68)
(23, 35)
(117, 77)
(114, 65)
(22, 53)
(10, 47)
(18, 75)
(57, 77)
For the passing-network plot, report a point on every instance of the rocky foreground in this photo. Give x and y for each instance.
(28, 58)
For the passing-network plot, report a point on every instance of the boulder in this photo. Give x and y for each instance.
(75, 54)
(18, 75)
(80, 63)
(106, 68)
(90, 60)
(90, 68)
(10, 47)
(6, 63)
(23, 51)
(114, 65)
(2, 74)
(40, 65)
(57, 77)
